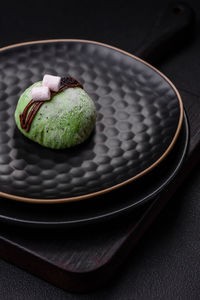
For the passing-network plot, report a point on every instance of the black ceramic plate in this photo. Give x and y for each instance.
(139, 117)
(109, 205)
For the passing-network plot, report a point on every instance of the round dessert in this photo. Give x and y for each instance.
(64, 119)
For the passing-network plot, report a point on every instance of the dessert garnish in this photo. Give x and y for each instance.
(51, 85)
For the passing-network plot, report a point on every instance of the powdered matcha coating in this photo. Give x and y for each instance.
(65, 121)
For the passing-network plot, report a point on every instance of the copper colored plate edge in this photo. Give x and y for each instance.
(158, 161)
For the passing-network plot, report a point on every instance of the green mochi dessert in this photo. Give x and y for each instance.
(66, 120)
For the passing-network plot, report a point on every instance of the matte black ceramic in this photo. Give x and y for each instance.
(106, 206)
(139, 117)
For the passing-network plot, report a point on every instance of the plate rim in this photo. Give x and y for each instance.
(113, 187)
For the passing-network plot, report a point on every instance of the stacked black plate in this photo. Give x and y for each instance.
(137, 148)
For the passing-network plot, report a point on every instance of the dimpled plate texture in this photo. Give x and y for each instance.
(106, 206)
(137, 117)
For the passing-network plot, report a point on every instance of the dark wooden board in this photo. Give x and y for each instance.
(83, 259)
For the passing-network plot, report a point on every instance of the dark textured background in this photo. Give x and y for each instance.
(166, 263)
